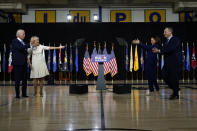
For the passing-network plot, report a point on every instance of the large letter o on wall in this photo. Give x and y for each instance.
(155, 17)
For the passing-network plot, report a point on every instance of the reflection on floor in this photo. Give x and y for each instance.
(59, 110)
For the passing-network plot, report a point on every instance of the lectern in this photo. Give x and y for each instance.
(101, 85)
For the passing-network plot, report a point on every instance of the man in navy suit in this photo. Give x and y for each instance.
(172, 61)
(19, 61)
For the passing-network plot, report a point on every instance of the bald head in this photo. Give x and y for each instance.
(20, 34)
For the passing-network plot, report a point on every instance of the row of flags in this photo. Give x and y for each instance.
(65, 59)
(134, 64)
(92, 67)
(109, 67)
(186, 59)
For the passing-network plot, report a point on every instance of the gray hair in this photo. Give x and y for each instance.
(18, 32)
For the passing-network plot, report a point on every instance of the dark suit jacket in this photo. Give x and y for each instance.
(151, 60)
(172, 54)
(19, 52)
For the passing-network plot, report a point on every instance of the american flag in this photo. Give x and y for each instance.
(94, 65)
(113, 64)
(86, 63)
(106, 64)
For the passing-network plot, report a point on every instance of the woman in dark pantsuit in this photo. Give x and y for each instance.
(150, 62)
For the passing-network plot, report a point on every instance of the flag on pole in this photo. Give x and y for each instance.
(4, 58)
(187, 59)
(66, 59)
(162, 61)
(113, 64)
(86, 63)
(60, 56)
(142, 60)
(54, 61)
(10, 66)
(131, 59)
(127, 59)
(49, 60)
(76, 59)
(136, 62)
(183, 57)
(106, 64)
(94, 65)
(71, 59)
(193, 58)
(99, 50)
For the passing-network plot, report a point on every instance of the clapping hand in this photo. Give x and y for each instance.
(155, 50)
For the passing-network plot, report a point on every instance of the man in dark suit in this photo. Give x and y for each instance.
(172, 61)
(19, 61)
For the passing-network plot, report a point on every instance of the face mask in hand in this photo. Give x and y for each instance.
(34, 47)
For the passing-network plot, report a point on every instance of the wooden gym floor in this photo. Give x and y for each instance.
(98, 110)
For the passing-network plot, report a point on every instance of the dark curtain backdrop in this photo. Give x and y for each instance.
(67, 33)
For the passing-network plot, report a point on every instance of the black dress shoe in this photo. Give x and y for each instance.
(25, 96)
(17, 97)
(173, 97)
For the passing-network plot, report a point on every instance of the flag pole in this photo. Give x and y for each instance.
(72, 66)
(54, 72)
(131, 63)
(75, 63)
(4, 78)
(60, 76)
(86, 74)
(10, 78)
(127, 55)
(194, 68)
(188, 62)
(183, 71)
(112, 77)
(94, 76)
(142, 76)
(65, 79)
(142, 61)
(4, 62)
